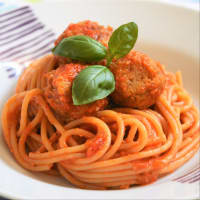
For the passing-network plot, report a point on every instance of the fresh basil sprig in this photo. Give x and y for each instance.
(96, 82)
(84, 48)
(122, 41)
(80, 47)
(92, 83)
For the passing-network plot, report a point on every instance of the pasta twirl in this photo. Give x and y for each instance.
(115, 148)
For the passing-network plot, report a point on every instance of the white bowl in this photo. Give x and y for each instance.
(169, 34)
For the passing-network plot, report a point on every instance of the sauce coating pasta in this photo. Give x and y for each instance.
(106, 148)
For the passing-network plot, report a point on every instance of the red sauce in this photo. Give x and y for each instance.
(148, 178)
(142, 164)
(88, 28)
(95, 145)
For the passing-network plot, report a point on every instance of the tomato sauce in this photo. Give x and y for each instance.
(95, 145)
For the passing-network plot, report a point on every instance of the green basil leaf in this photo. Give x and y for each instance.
(80, 47)
(92, 83)
(122, 41)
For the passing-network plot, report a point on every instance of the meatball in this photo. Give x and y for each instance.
(88, 28)
(139, 80)
(58, 93)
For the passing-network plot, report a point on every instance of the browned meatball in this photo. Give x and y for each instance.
(58, 93)
(92, 29)
(88, 28)
(139, 80)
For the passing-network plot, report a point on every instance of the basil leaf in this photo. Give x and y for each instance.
(80, 47)
(122, 41)
(92, 83)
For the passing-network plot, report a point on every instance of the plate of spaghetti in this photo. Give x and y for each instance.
(109, 111)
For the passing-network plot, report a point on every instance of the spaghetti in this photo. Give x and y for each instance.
(113, 149)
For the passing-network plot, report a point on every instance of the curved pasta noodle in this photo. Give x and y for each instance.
(113, 149)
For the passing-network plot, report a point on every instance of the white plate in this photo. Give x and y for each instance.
(169, 34)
